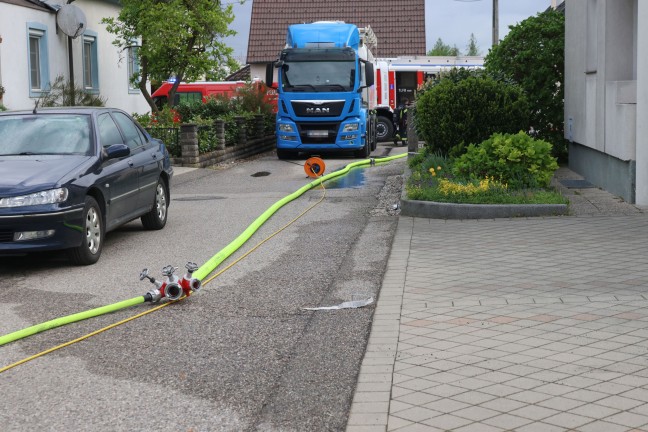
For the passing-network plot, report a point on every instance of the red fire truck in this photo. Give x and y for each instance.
(397, 80)
(199, 91)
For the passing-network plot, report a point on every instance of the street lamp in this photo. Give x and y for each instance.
(495, 19)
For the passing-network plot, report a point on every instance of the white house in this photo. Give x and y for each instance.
(34, 52)
(606, 94)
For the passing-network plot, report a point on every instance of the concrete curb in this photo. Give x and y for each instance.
(440, 210)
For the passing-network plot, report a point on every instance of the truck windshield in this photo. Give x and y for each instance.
(318, 70)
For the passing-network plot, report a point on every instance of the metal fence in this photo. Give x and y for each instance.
(169, 136)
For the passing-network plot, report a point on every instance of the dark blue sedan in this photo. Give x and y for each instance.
(70, 175)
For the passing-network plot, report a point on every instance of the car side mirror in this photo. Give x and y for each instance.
(116, 151)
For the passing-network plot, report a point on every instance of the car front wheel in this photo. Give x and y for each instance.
(89, 250)
(157, 217)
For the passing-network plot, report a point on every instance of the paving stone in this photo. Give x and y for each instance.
(532, 324)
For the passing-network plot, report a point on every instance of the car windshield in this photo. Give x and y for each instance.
(37, 134)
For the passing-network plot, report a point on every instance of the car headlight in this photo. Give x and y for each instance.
(350, 127)
(283, 127)
(51, 196)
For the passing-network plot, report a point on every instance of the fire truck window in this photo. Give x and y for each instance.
(406, 85)
(187, 98)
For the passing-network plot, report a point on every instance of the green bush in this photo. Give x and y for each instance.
(514, 159)
(468, 108)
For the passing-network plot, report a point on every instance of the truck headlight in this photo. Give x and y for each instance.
(51, 196)
(350, 127)
(284, 127)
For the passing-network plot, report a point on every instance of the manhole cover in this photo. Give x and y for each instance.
(261, 174)
(576, 184)
(199, 198)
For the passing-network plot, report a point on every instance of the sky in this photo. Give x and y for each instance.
(451, 20)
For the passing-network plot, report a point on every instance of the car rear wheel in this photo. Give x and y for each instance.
(89, 250)
(157, 217)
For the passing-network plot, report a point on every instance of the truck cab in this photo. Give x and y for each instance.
(325, 86)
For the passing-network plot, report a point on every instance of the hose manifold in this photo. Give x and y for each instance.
(172, 288)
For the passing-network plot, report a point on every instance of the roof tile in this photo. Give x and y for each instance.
(400, 30)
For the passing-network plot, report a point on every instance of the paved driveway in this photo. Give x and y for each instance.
(537, 324)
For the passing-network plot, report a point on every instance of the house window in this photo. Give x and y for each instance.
(133, 69)
(37, 59)
(90, 62)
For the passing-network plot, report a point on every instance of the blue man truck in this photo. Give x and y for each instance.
(326, 94)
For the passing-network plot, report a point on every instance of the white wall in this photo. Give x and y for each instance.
(113, 71)
(605, 93)
(642, 105)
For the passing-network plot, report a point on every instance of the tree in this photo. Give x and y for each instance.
(472, 49)
(441, 49)
(173, 38)
(532, 55)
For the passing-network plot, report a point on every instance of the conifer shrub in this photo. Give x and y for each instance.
(468, 108)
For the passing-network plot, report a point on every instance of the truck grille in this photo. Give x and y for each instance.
(318, 109)
(317, 132)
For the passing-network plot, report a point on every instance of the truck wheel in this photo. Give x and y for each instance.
(384, 129)
(284, 154)
(365, 151)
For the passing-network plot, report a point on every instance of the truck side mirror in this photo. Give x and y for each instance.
(270, 67)
(369, 72)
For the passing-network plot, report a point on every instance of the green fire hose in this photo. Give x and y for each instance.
(203, 270)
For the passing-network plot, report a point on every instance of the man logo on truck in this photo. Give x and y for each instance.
(316, 111)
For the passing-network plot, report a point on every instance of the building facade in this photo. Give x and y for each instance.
(34, 53)
(606, 94)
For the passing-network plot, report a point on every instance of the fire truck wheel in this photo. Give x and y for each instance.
(384, 129)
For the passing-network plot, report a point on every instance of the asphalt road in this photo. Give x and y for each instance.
(240, 355)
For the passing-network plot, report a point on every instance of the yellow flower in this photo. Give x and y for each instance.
(438, 168)
(431, 170)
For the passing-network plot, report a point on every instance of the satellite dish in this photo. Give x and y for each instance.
(71, 20)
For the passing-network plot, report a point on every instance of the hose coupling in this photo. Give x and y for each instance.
(189, 283)
(173, 291)
(154, 295)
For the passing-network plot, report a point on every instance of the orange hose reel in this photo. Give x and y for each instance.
(314, 167)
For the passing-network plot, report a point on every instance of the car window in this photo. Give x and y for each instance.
(131, 132)
(45, 134)
(108, 131)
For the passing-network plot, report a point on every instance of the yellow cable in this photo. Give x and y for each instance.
(268, 238)
(96, 332)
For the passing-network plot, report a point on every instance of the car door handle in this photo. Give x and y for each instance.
(130, 162)
(154, 155)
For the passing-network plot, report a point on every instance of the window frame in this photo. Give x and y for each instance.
(133, 67)
(91, 59)
(38, 31)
